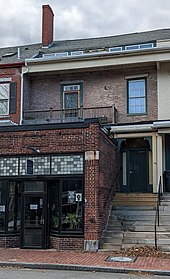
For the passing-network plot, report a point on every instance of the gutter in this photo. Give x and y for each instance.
(97, 55)
(132, 128)
(12, 65)
(161, 124)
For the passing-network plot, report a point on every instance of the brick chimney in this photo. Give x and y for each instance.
(47, 25)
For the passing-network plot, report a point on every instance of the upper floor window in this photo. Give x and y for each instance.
(71, 99)
(7, 98)
(136, 96)
(4, 98)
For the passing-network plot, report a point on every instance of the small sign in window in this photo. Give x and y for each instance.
(33, 206)
(71, 196)
(29, 166)
(2, 208)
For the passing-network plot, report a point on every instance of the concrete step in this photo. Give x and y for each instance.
(133, 240)
(147, 228)
(132, 223)
(141, 241)
(165, 203)
(135, 199)
(163, 212)
(116, 224)
(134, 203)
(145, 223)
(111, 233)
(110, 247)
(164, 248)
(134, 208)
(136, 195)
(147, 235)
(112, 240)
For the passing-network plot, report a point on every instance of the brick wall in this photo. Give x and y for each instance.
(9, 241)
(15, 75)
(109, 179)
(101, 182)
(101, 88)
(100, 174)
(66, 243)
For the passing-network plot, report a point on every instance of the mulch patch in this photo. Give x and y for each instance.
(143, 251)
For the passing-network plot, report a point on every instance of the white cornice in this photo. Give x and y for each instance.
(100, 60)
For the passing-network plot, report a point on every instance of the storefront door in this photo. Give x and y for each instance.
(34, 223)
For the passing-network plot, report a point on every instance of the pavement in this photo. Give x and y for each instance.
(81, 261)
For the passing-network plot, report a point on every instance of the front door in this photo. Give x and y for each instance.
(137, 170)
(33, 221)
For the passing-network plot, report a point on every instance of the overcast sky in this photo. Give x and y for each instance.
(21, 19)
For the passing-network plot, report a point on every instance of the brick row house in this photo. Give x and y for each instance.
(80, 120)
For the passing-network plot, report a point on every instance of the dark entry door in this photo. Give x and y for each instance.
(138, 171)
(33, 221)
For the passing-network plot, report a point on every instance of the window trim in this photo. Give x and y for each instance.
(5, 99)
(80, 92)
(144, 78)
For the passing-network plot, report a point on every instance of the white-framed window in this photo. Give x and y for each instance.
(136, 91)
(4, 98)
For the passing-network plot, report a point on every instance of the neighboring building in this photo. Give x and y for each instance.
(90, 117)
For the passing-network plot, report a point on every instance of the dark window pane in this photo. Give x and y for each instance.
(11, 207)
(55, 209)
(72, 207)
(2, 206)
(34, 186)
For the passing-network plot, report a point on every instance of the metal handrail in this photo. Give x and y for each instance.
(157, 215)
(105, 114)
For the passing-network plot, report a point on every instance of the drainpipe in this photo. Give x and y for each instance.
(22, 91)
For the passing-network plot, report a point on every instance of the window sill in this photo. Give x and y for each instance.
(69, 235)
(137, 114)
(3, 234)
(4, 116)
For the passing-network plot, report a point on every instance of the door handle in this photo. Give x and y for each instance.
(131, 172)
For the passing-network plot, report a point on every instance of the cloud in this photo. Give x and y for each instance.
(21, 19)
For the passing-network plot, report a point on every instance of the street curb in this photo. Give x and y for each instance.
(82, 268)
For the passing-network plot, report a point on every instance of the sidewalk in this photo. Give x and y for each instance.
(68, 260)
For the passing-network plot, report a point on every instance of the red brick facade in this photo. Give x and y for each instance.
(14, 74)
(100, 171)
(100, 88)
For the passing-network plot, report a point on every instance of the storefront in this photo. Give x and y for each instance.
(43, 199)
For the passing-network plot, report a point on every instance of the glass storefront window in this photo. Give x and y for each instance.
(14, 207)
(10, 206)
(2, 206)
(55, 210)
(71, 206)
(34, 186)
(67, 206)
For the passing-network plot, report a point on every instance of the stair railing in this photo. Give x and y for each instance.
(157, 215)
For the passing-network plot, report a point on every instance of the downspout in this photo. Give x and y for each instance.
(22, 91)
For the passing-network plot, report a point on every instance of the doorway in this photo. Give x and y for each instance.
(34, 216)
(137, 170)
